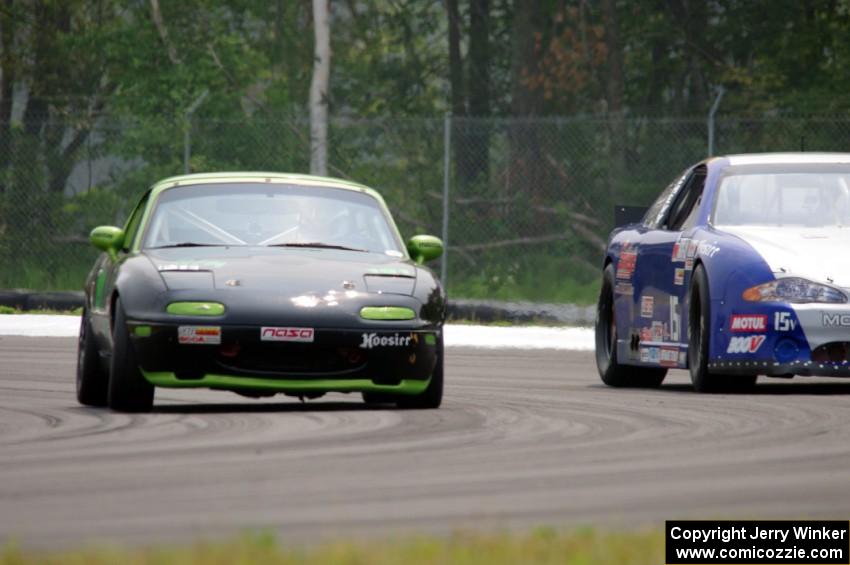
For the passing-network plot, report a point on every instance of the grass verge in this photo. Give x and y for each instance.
(540, 546)
(10, 310)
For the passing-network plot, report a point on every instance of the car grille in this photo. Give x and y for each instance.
(292, 359)
(833, 352)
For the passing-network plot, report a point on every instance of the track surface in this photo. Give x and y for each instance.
(524, 438)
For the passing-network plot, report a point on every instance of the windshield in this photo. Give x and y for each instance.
(266, 215)
(810, 199)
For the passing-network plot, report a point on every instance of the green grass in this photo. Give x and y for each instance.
(47, 312)
(540, 546)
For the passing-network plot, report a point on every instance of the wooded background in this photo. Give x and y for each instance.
(559, 108)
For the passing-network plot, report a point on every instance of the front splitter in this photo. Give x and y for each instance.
(229, 382)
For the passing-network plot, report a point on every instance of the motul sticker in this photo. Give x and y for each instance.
(647, 306)
(204, 335)
(745, 344)
(748, 323)
(303, 335)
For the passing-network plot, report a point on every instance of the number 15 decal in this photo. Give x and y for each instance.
(783, 322)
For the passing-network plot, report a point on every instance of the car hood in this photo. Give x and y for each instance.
(813, 253)
(290, 271)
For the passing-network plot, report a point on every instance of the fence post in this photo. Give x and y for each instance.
(187, 142)
(447, 140)
(720, 92)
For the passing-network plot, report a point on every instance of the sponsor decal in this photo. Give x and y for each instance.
(649, 354)
(669, 357)
(657, 331)
(680, 250)
(689, 264)
(303, 335)
(375, 340)
(675, 319)
(627, 263)
(784, 322)
(205, 335)
(647, 306)
(679, 277)
(748, 323)
(626, 289)
(645, 334)
(683, 357)
(834, 320)
(706, 249)
(692, 249)
(745, 344)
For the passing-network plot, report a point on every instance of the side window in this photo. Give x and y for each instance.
(686, 203)
(658, 211)
(132, 227)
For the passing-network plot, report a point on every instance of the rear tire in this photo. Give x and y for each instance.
(699, 334)
(613, 373)
(128, 389)
(92, 380)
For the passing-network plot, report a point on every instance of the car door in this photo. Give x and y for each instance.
(663, 274)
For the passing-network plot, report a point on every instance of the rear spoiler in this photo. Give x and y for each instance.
(624, 215)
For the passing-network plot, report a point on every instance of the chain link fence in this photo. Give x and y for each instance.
(529, 201)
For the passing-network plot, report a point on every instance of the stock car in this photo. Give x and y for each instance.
(736, 270)
(261, 283)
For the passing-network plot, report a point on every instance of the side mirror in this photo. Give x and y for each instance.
(107, 238)
(424, 248)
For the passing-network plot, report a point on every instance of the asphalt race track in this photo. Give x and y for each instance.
(524, 438)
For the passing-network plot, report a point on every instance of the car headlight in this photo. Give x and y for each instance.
(795, 290)
(195, 308)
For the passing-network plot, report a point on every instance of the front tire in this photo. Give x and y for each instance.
(128, 389)
(611, 372)
(92, 380)
(430, 398)
(699, 334)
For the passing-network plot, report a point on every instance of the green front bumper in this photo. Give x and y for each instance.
(228, 382)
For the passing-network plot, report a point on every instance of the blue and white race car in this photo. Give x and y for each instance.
(737, 270)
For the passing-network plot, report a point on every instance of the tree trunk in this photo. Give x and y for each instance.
(525, 173)
(614, 86)
(319, 89)
(479, 91)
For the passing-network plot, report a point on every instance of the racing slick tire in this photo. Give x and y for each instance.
(699, 333)
(92, 380)
(430, 398)
(128, 389)
(613, 373)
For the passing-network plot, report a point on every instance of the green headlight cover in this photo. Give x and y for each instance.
(195, 309)
(387, 313)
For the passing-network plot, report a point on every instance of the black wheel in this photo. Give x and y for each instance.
(92, 380)
(613, 373)
(699, 333)
(432, 396)
(128, 389)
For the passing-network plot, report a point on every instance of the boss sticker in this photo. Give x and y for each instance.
(745, 344)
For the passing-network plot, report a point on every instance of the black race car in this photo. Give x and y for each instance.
(261, 283)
